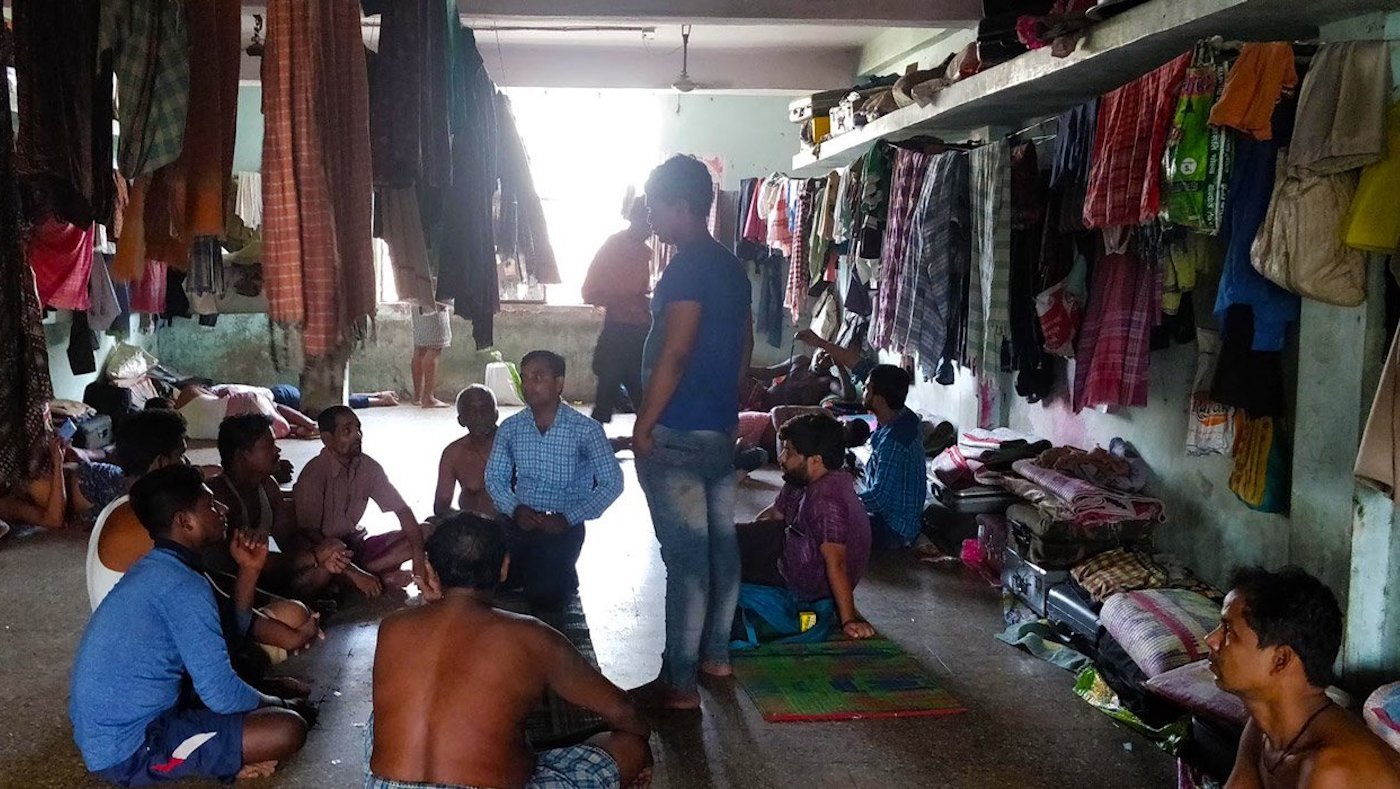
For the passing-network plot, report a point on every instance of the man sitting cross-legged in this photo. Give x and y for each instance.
(159, 625)
(564, 474)
(331, 495)
(464, 460)
(455, 679)
(815, 539)
(1278, 637)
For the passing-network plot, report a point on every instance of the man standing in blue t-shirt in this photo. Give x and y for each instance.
(696, 354)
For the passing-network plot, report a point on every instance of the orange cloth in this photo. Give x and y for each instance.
(1253, 87)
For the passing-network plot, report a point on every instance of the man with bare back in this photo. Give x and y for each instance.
(454, 680)
(464, 460)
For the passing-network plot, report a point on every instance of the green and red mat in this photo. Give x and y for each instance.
(839, 680)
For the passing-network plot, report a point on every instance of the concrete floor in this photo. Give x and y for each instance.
(1024, 728)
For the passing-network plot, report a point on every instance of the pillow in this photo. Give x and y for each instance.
(1192, 687)
(1161, 629)
(1382, 713)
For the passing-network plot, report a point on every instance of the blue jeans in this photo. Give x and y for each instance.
(689, 483)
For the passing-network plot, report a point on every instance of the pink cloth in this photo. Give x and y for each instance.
(61, 256)
(1090, 505)
(148, 294)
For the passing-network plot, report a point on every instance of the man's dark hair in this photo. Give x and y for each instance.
(683, 179)
(147, 435)
(237, 433)
(816, 435)
(554, 360)
(891, 383)
(1294, 609)
(467, 551)
(327, 419)
(159, 403)
(164, 493)
(857, 433)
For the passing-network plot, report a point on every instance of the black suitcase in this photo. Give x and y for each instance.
(1068, 605)
(95, 432)
(951, 515)
(1030, 582)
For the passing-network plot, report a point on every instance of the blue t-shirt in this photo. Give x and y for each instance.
(708, 395)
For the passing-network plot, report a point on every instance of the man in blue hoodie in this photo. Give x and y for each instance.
(160, 626)
(896, 478)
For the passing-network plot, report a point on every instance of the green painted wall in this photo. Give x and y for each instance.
(247, 151)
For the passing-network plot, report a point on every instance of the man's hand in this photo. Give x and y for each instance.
(333, 556)
(553, 524)
(809, 337)
(526, 518)
(429, 585)
(249, 550)
(310, 632)
(283, 474)
(858, 629)
(642, 442)
(368, 585)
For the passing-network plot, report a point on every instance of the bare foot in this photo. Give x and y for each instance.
(367, 584)
(258, 770)
(716, 670)
(659, 695)
(432, 402)
(397, 579)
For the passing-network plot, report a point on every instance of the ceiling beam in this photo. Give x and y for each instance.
(875, 13)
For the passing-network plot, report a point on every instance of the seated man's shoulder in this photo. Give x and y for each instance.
(1352, 755)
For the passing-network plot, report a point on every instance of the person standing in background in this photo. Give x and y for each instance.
(696, 355)
(432, 331)
(619, 281)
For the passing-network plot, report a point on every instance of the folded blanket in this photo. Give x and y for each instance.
(1088, 504)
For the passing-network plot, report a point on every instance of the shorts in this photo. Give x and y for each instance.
(180, 744)
(432, 329)
(575, 767)
(367, 549)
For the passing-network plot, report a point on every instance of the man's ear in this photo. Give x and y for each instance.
(1283, 657)
(182, 522)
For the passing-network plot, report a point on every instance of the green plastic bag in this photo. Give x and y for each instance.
(1091, 687)
(1198, 156)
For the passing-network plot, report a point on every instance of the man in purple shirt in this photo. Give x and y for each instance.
(815, 539)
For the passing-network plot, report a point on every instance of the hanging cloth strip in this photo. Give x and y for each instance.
(990, 182)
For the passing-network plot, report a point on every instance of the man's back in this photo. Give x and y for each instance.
(453, 682)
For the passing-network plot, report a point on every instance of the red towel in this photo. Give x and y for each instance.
(61, 256)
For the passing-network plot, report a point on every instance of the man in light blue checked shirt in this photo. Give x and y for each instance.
(551, 470)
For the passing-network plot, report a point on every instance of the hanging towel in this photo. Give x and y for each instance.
(150, 45)
(1342, 109)
(1378, 459)
(408, 249)
(1125, 180)
(990, 197)
(248, 203)
(61, 256)
(1253, 87)
(103, 307)
(1373, 220)
(148, 295)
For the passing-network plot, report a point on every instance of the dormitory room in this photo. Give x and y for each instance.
(415, 394)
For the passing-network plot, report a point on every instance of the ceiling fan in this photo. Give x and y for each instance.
(683, 83)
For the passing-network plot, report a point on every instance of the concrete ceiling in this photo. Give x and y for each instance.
(869, 13)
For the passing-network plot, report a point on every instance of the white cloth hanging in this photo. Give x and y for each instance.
(248, 205)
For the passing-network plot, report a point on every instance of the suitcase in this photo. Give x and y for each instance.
(1068, 605)
(1050, 554)
(1028, 581)
(95, 432)
(951, 515)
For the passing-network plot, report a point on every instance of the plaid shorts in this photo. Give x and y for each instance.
(575, 767)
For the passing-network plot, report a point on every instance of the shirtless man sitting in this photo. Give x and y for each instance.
(1278, 637)
(455, 679)
(464, 460)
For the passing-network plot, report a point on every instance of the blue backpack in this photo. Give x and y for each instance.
(769, 615)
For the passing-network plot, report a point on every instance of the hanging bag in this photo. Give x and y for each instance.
(1198, 155)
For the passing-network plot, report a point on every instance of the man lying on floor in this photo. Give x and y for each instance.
(463, 462)
(455, 679)
(159, 625)
(551, 470)
(1278, 638)
(815, 539)
(331, 495)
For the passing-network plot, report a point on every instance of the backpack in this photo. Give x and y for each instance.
(769, 615)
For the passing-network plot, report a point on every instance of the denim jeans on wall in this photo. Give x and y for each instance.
(689, 483)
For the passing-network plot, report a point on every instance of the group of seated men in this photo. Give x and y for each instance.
(169, 680)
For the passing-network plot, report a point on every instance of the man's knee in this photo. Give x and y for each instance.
(272, 734)
(631, 752)
(292, 613)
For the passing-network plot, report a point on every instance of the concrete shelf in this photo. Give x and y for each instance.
(1037, 84)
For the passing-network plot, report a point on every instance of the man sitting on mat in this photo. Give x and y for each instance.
(464, 460)
(564, 474)
(455, 679)
(159, 626)
(815, 539)
(1278, 637)
(331, 495)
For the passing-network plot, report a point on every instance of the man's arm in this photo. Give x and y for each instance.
(1246, 772)
(682, 325)
(414, 532)
(17, 508)
(747, 355)
(607, 477)
(839, 579)
(446, 485)
(570, 675)
(881, 493)
(498, 468)
(845, 358)
(193, 621)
